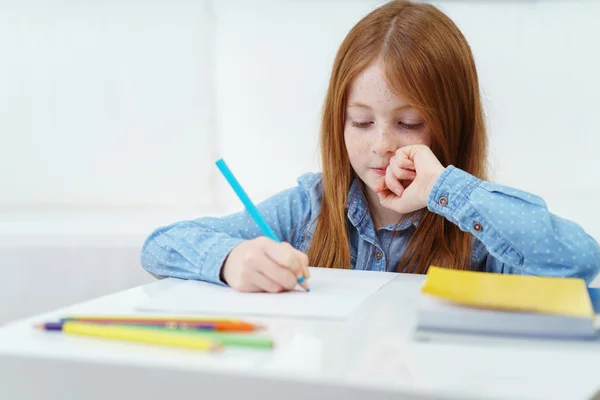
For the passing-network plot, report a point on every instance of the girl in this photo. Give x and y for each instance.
(403, 185)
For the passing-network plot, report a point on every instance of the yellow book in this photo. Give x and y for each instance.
(508, 304)
(561, 296)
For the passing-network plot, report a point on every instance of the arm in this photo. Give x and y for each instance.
(197, 249)
(519, 233)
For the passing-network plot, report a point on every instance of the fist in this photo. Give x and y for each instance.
(263, 265)
(409, 177)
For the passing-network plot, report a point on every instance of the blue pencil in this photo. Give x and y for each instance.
(252, 210)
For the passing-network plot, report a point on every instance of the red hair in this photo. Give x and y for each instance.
(428, 62)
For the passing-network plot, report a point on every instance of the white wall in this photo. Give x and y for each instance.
(106, 103)
(113, 113)
(538, 64)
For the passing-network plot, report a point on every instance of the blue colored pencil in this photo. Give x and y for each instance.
(252, 210)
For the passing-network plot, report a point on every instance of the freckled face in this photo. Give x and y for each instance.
(378, 122)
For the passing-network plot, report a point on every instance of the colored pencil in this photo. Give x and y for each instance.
(163, 337)
(190, 323)
(226, 339)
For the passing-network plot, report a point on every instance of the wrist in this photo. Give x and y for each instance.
(433, 179)
(222, 273)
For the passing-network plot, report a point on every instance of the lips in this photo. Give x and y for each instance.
(379, 171)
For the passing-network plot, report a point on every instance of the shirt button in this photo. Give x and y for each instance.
(477, 226)
(443, 201)
(378, 255)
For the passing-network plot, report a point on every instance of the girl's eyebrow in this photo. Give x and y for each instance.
(361, 105)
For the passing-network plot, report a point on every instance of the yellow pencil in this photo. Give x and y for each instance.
(133, 334)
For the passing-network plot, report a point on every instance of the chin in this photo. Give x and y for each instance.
(368, 177)
(369, 182)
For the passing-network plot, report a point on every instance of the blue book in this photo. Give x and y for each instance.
(595, 297)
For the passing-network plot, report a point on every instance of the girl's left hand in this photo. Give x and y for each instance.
(409, 178)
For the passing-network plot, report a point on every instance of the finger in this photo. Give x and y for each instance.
(285, 277)
(416, 151)
(249, 288)
(383, 192)
(385, 196)
(265, 283)
(402, 173)
(392, 182)
(409, 152)
(284, 255)
(307, 272)
(406, 164)
(303, 258)
(402, 159)
(303, 261)
(380, 184)
(306, 269)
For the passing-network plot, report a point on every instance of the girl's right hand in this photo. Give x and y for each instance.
(263, 265)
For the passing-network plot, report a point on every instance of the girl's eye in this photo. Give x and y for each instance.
(358, 124)
(411, 127)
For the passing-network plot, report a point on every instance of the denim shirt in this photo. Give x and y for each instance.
(514, 233)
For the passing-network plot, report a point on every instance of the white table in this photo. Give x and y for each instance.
(376, 354)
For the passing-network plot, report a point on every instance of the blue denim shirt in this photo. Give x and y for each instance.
(513, 232)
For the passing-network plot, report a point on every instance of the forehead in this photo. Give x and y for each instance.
(371, 88)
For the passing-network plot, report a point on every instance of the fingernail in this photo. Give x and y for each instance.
(301, 279)
(398, 192)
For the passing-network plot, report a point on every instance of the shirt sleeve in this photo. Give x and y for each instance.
(519, 233)
(197, 249)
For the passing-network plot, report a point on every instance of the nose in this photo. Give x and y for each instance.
(384, 141)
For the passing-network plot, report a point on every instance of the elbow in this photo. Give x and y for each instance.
(568, 261)
(592, 261)
(148, 259)
(576, 251)
(585, 260)
(148, 262)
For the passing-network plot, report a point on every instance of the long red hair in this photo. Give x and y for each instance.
(428, 62)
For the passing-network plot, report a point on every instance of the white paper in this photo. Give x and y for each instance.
(334, 294)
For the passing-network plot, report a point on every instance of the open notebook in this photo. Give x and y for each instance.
(482, 302)
(334, 294)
